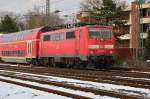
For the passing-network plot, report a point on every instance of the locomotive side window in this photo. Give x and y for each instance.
(52, 37)
(55, 37)
(70, 35)
(46, 38)
(81, 33)
(62, 36)
(59, 36)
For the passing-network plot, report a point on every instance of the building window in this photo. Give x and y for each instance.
(143, 14)
(145, 28)
(148, 12)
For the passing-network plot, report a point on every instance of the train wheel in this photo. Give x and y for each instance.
(97, 66)
(50, 62)
(53, 63)
(81, 64)
(69, 63)
(84, 64)
(34, 62)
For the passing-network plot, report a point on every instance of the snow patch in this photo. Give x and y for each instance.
(88, 84)
(10, 91)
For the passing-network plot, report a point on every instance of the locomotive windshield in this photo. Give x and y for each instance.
(103, 33)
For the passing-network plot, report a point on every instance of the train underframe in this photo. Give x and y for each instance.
(102, 61)
(91, 61)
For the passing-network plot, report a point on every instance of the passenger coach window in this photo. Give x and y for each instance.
(46, 38)
(70, 35)
(13, 53)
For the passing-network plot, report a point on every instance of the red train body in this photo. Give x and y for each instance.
(20, 47)
(87, 45)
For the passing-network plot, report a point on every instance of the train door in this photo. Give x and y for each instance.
(80, 42)
(29, 47)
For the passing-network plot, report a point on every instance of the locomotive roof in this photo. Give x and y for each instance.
(75, 28)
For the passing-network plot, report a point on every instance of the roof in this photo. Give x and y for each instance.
(22, 34)
(76, 28)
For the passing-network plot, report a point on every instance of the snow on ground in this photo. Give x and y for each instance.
(133, 78)
(101, 86)
(76, 92)
(13, 65)
(10, 91)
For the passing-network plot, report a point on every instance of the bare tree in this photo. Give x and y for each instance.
(89, 5)
(36, 18)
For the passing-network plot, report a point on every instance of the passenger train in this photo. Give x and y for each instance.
(90, 45)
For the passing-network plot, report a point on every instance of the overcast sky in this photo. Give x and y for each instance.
(22, 6)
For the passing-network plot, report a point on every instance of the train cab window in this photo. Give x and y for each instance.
(70, 35)
(46, 38)
(104, 33)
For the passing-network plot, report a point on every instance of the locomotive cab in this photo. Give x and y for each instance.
(101, 46)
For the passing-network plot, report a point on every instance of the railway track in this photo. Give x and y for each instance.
(127, 78)
(45, 89)
(41, 80)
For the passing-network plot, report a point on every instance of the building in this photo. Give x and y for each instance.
(130, 28)
(128, 31)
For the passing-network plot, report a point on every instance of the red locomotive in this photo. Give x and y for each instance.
(79, 46)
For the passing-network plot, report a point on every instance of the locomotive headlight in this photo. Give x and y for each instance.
(109, 46)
